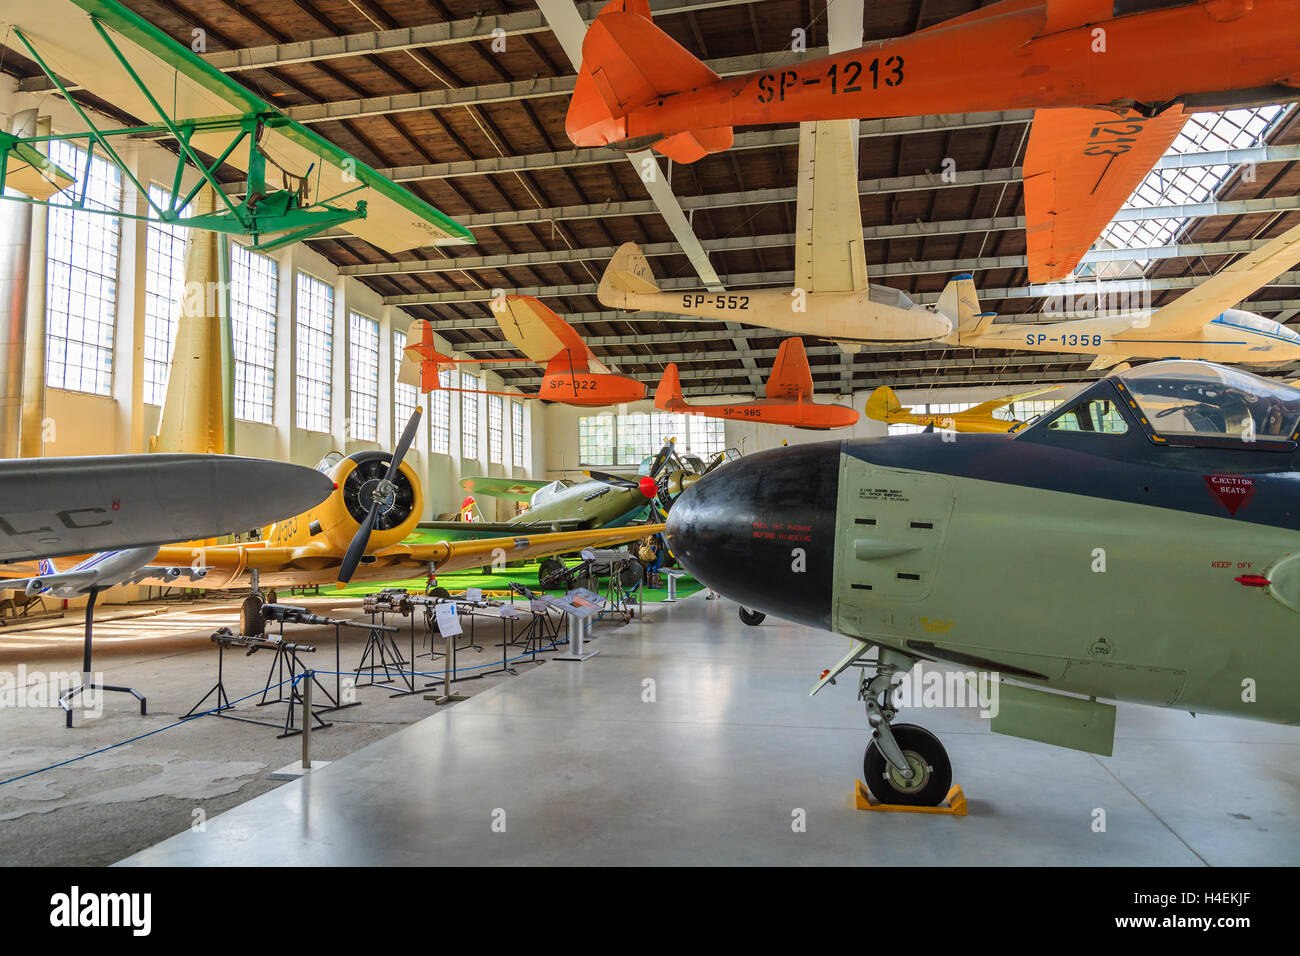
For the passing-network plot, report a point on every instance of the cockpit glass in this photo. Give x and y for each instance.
(1185, 399)
(547, 492)
(326, 464)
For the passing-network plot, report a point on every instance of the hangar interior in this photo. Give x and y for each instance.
(464, 106)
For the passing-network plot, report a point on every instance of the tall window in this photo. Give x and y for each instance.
(610, 439)
(496, 423)
(440, 414)
(469, 416)
(81, 278)
(315, 343)
(363, 377)
(164, 285)
(254, 290)
(517, 433)
(405, 397)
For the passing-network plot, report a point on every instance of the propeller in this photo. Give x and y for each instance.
(645, 484)
(383, 490)
(659, 486)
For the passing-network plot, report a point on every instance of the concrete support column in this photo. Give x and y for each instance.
(15, 252)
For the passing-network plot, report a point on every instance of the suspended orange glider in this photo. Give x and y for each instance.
(1111, 86)
(789, 396)
(574, 376)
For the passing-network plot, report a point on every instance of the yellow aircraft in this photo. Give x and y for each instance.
(883, 406)
(358, 532)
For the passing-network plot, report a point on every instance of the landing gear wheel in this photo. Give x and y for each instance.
(272, 597)
(929, 762)
(548, 569)
(440, 593)
(251, 621)
(752, 618)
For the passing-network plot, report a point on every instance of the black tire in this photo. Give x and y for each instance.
(924, 751)
(752, 618)
(251, 621)
(272, 597)
(549, 567)
(441, 593)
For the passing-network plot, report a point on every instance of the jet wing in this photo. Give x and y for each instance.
(1080, 166)
(541, 334)
(791, 376)
(1229, 286)
(828, 248)
(514, 489)
(63, 33)
(60, 579)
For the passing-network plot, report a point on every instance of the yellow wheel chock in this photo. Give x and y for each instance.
(954, 804)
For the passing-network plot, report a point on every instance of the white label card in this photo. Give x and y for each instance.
(448, 620)
(474, 595)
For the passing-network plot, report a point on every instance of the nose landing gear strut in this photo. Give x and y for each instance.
(904, 764)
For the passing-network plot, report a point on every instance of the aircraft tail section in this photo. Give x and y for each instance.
(882, 403)
(627, 276)
(668, 396)
(628, 62)
(960, 304)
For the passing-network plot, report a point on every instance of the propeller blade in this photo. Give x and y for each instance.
(604, 477)
(663, 456)
(361, 540)
(404, 443)
(357, 549)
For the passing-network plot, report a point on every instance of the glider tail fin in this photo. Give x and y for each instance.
(627, 62)
(668, 395)
(960, 304)
(627, 275)
(882, 403)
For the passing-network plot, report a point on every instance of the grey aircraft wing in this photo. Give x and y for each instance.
(51, 507)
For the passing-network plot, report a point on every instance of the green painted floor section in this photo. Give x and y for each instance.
(525, 574)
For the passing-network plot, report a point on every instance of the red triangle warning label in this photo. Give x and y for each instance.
(1233, 491)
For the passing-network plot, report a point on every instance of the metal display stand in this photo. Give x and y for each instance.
(672, 575)
(65, 699)
(580, 616)
(286, 658)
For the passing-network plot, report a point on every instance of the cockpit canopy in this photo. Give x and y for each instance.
(547, 492)
(1199, 400)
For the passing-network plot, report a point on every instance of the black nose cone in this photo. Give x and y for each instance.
(761, 531)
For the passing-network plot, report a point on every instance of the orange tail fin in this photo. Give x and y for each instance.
(628, 62)
(668, 396)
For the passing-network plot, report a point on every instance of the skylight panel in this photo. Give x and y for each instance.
(1203, 132)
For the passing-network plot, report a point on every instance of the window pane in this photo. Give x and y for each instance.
(405, 397)
(164, 286)
(469, 416)
(363, 377)
(254, 288)
(627, 439)
(495, 424)
(81, 279)
(440, 414)
(517, 434)
(315, 360)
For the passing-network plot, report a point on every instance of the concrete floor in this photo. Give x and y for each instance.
(569, 763)
(100, 809)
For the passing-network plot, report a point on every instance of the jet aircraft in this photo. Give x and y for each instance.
(1138, 543)
(883, 406)
(1110, 85)
(789, 396)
